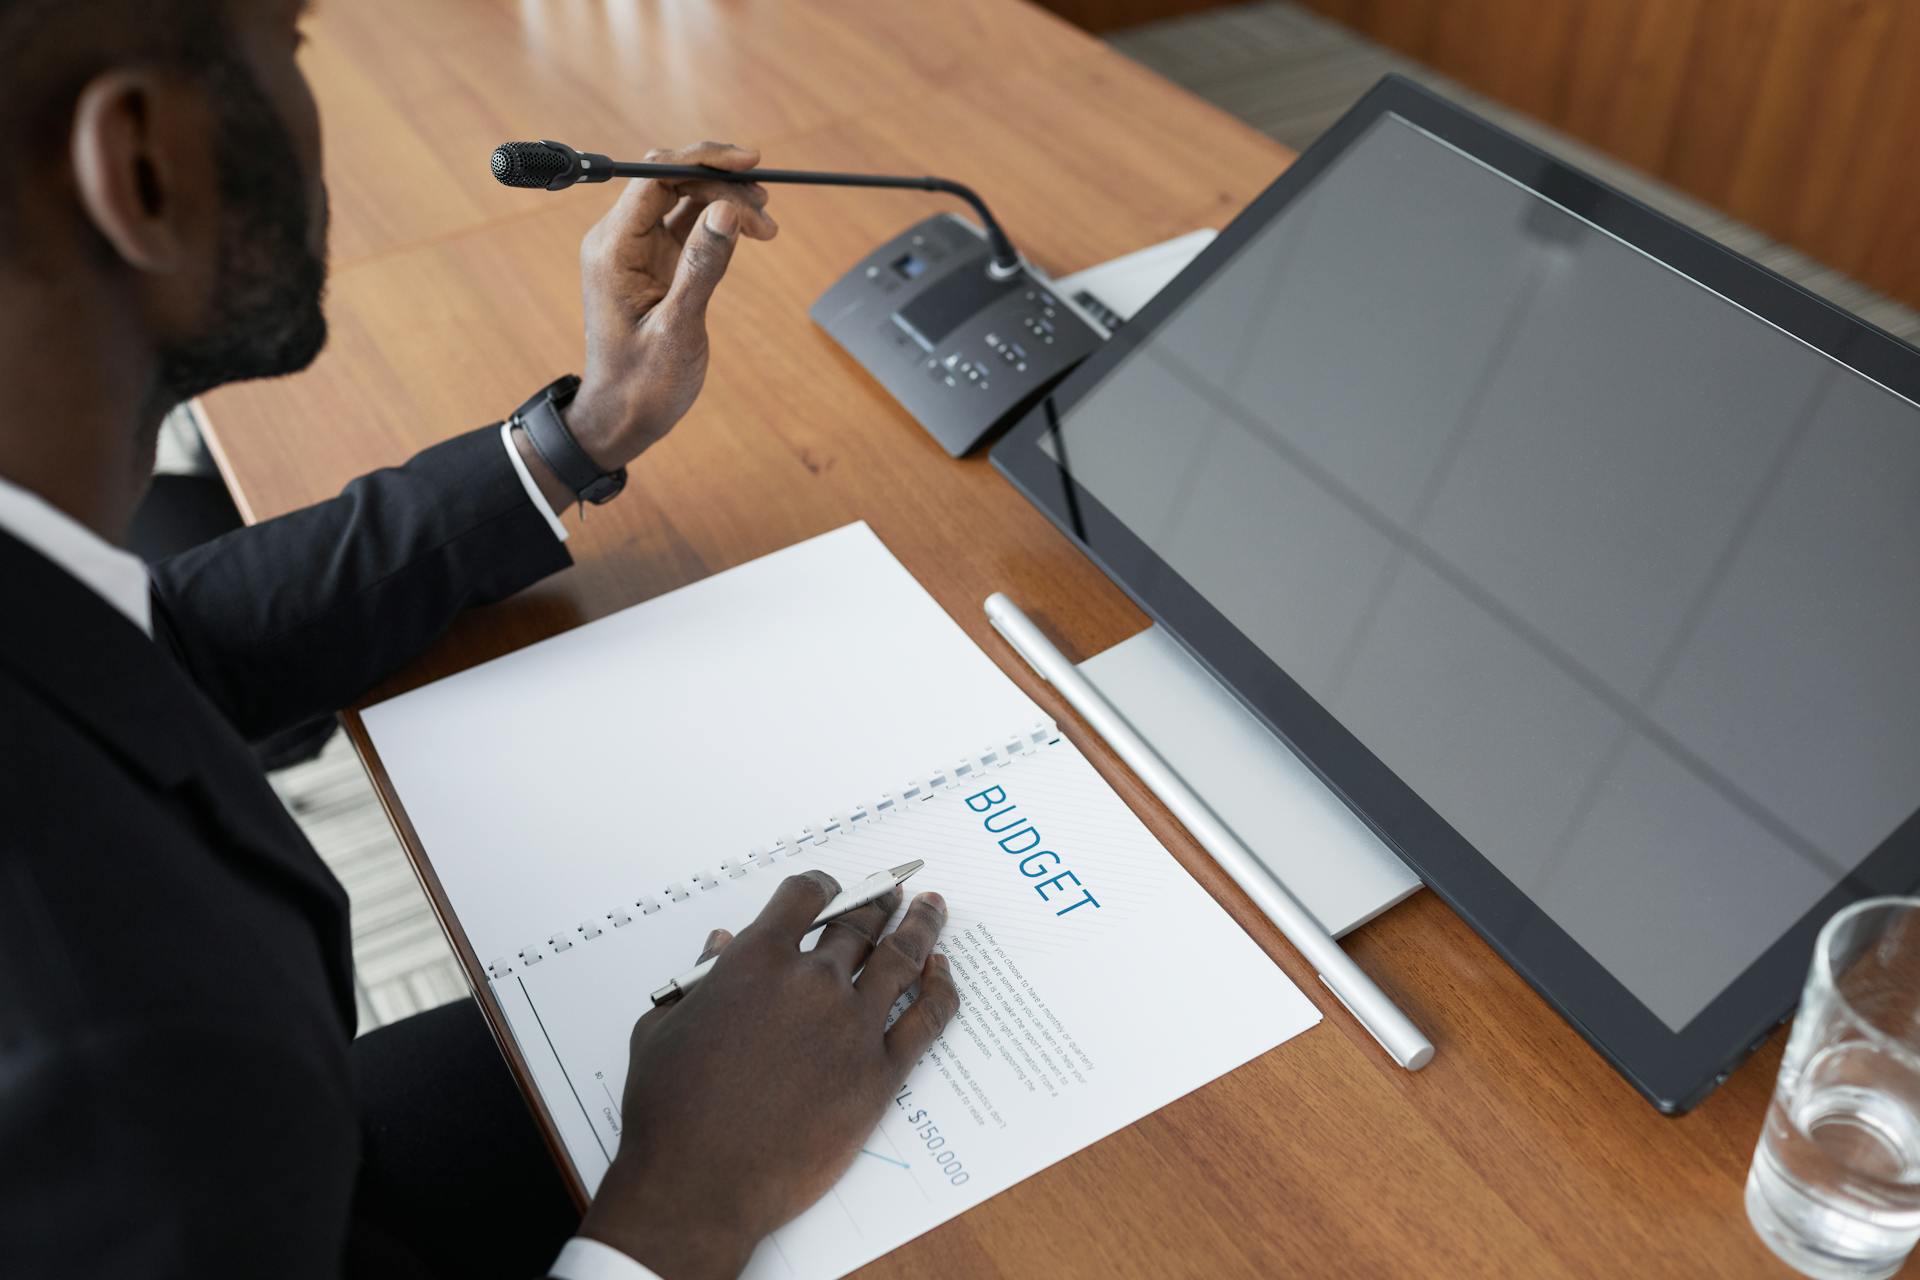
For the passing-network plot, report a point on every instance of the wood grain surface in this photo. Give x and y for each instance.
(1518, 1152)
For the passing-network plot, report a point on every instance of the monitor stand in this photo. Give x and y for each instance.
(1278, 807)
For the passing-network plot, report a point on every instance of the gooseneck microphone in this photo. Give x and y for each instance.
(555, 166)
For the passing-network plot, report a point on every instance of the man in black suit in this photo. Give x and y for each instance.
(180, 1093)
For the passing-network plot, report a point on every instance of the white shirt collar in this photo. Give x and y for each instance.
(118, 576)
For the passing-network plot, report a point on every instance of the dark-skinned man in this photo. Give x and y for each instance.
(180, 1092)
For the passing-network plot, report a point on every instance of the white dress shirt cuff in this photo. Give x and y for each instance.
(585, 1259)
(534, 495)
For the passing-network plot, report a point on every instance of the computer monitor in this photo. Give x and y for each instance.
(1579, 554)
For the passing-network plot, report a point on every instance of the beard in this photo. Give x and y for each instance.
(266, 317)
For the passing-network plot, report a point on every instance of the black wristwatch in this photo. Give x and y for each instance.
(547, 432)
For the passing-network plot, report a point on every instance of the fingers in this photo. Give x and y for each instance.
(845, 943)
(790, 912)
(716, 943)
(755, 222)
(703, 261)
(718, 155)
(916, 1029)
(646, 202)
(896, 962)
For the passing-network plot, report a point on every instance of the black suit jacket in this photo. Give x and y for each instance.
(176, 999)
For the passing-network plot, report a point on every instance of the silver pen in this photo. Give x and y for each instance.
(1356, 992)
(871, 890)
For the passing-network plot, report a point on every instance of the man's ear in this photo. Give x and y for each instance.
(143, 168)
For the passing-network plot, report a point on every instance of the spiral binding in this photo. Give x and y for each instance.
(888, 805)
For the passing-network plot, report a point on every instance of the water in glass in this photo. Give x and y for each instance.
(1835, 1185)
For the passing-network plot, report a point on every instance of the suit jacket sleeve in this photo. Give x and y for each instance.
(296, 617)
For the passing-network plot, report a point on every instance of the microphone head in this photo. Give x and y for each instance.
(531, 164)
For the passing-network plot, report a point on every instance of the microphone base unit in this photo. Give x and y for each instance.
(961, 350)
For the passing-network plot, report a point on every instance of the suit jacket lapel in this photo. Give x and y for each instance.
(129, 694)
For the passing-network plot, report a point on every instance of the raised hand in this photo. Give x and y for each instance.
(648, 270)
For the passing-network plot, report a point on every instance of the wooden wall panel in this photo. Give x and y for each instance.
(1801, 117)
(1624, 93)
(1889, 251)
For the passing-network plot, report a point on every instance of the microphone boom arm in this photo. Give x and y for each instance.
(1005, 258)
(555, 166)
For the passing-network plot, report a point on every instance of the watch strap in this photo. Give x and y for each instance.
(547, 432)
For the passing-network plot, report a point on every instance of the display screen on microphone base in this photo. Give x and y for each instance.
(948, 303)
(1619, 578)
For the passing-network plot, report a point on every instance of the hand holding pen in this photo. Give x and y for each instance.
(746, 1100)
(880, 885)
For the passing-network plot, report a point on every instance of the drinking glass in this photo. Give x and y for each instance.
(1835, 1185)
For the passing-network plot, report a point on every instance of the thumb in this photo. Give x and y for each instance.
(704, 259)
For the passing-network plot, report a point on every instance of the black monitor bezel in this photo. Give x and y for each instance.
(1674, 1070)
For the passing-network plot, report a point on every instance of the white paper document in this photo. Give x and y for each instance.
(559, 778)
(816, 708)
(1098, 982)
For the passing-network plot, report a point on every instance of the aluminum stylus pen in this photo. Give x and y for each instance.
(1350, 986)
(872, 889)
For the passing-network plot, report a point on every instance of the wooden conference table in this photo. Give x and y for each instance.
(1518, 1151)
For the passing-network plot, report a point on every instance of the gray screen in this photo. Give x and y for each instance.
(1621, 579)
